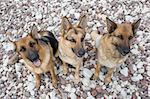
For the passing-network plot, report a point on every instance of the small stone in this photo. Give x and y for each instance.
(30, 86)
(124, 71)
(140, 65)
(27, 94)
(87, 73)
(72, 11)
(62, 80)
(38, 15)
(134, 51)
(141, 70)
(94, 92)
(86, 82)
(68, 88)
(137, 78)
(73, 96)
(30, 78)
(42, 96)
(4, 78)
(77, 15)
(89, 96)
(52, 94)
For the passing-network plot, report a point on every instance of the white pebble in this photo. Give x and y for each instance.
(140, 65)
(124, 71)
(73, 96)
(89, 96)
(52, 94)
(38, 15)
(86, 82)
(30, 78)
(68, 88)
(77, 15)
(87, 73)
(137, 78)
(134, 51)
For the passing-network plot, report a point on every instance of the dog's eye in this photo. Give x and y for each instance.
(22, 49)
(130, 37)
(71, 40)
(120, 36)
(31, 44)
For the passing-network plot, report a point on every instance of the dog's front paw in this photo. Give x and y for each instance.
(65, 71)
(76, 79)
(107, 80)
(54, 83)
(94, 77)
(37, 85)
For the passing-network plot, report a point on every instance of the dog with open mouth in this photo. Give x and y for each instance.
(71, 46)
(113, 47)
(38, 50)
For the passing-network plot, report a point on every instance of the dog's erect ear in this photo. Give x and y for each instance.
(82, 22)
(34, 32)
(111, 26)
(135, 26)
(13, 59)
(65, 24)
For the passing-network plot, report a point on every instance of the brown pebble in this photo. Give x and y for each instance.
(99, 89)
(94, 92)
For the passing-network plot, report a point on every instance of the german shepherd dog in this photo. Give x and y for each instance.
(113, 47)
(38, 50)
(71, 48)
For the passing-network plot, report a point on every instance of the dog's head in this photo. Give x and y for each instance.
(74, 35)
(29, 48)
(122, 34)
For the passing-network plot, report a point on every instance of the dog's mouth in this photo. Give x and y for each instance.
(34, 58)
(37, 62)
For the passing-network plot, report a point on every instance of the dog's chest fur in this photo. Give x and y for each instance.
(108, 57)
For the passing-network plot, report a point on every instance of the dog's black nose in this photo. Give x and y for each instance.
(81, 52)
(33, 56)
(126, 50)
(123, 50)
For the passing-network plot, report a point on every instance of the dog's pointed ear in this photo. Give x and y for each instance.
(82, 22)
(135, 26)
(34, 32)
(65, 24)
(111, 26)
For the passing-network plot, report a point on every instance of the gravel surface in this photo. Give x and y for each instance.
(130, 81)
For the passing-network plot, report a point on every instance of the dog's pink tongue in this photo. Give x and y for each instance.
(37, 63)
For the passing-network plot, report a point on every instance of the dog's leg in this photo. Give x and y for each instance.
(109, 75)
(65, 70)
(38, 80)
(77, 72)
(53, 75)
(97, 70)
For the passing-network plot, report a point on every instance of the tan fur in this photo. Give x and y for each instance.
(45, 55)
(106, 51)
(65, 46)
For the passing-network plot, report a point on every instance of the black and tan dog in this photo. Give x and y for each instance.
(38, 50)
(71, 47)
(112, 48)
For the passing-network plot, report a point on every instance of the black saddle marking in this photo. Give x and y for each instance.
(52, 40)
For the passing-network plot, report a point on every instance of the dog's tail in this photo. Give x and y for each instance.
(96, 37)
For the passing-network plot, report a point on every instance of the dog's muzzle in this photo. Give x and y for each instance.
(34, 58)
(79, 53)
(123, 50)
